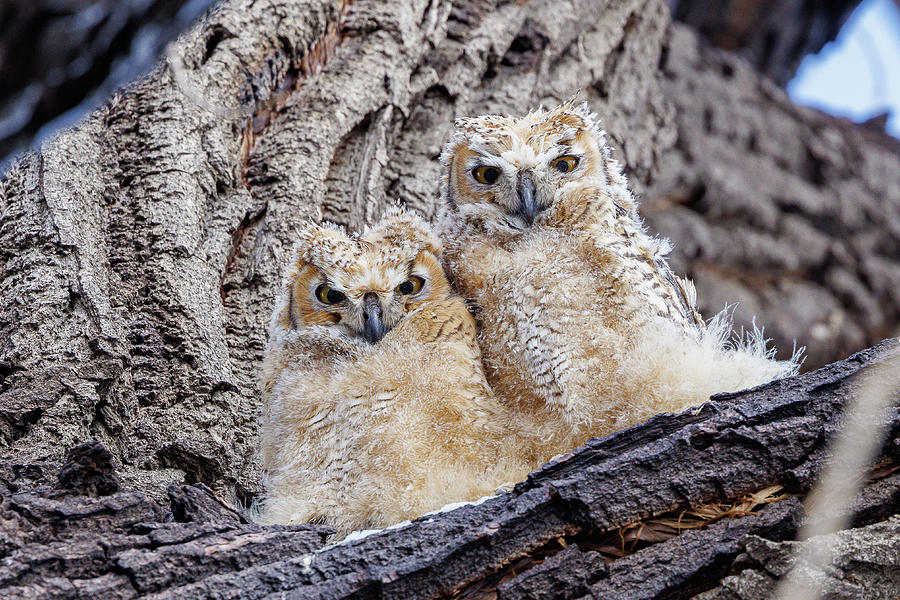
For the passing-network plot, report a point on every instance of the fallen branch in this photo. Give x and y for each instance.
(539, 540)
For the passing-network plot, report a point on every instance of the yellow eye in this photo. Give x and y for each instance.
(485, 174)
(564, 164)
(413, 285)
(326, 295)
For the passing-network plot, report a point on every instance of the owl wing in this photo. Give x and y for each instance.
(581, 204)
(611, 234)
(686, 295)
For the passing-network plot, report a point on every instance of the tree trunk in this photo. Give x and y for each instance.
(590, 524)
(791, 213)
(140, 251)
(772, 35)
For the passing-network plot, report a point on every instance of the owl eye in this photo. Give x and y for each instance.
(413, 285)
(564, 164)
(329, 296)
(488, 175)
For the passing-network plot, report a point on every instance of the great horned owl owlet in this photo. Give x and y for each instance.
(377, 409)
(584, 328)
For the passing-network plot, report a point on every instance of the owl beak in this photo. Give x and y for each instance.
(529, 206)
(373, 327)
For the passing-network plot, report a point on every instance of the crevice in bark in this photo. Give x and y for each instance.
(217, 34)
(288, 79)
(595, 556)
(603, 85)
(523, 54)
(250, 221)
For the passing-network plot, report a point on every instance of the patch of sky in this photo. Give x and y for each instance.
(858, 75)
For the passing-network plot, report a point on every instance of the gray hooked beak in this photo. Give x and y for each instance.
(529, 206)
(373, 328)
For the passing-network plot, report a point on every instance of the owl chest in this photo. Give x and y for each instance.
(557, 283)
(553, 316)
(397, 388)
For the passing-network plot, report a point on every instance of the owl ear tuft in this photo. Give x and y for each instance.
(314, 240)
(475, 133)
(326, 246)
(403, 227)
(584, 111)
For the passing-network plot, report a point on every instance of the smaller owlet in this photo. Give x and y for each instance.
(376, 405)
(584, 329)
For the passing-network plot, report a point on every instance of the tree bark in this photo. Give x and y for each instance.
(140, 251)
(547, 538)
(867, 566)
(791, 213)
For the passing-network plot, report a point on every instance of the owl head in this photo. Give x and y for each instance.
(503, 172)
(361, 286)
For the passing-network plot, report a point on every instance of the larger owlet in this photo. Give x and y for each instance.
(584, 329)
(377, 409)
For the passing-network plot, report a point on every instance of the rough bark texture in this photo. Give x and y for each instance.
(867, 566)
(537, 541)
(139, 254)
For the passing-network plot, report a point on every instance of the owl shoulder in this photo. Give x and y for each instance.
(446, 320)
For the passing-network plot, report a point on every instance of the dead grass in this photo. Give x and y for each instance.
(629, 538)
(632, 537)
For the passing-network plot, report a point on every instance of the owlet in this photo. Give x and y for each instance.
(584, 328)
(376, 405)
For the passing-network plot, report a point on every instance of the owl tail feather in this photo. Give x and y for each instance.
(665, 372)
(746, 353)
